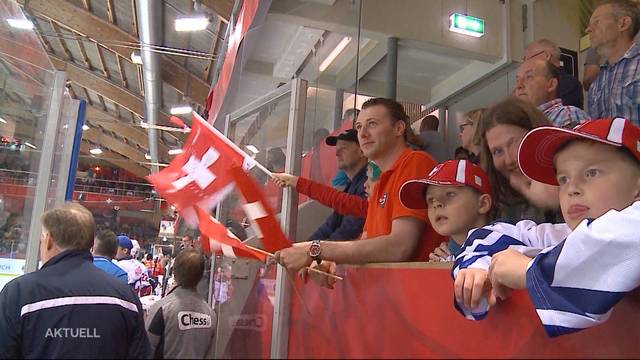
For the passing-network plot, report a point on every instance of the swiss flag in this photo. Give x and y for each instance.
(199, 176)
(220, 239)
(259, 212)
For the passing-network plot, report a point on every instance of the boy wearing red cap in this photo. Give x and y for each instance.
(577, 279)
(458, 200)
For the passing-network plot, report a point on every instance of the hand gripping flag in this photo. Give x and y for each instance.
(260, 215)
(199, 176)
(220, 239)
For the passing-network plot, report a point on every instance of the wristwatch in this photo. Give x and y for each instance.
(315, 251)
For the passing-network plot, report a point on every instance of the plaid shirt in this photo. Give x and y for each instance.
(616, 90)
(563, 116)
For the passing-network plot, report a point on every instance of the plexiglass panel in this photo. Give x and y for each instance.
(27, 81)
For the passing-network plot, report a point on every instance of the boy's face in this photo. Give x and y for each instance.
(594, 178)
(453, 210)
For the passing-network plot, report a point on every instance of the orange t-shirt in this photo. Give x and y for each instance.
(385, 205)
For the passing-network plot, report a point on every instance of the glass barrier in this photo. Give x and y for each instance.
(27, 79)
(244, 291)
(343, 51)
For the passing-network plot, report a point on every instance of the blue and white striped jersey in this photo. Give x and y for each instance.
(526, 237)
(574, 283)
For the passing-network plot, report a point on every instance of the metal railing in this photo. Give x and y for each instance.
(84, 184)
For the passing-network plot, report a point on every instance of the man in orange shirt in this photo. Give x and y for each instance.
(392, 232)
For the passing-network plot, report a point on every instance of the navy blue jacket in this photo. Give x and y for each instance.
(340, 227)
(570, 90)
(71, 309)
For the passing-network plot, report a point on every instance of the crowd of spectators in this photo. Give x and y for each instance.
(111, 181)
(528, 191)
(511, 187)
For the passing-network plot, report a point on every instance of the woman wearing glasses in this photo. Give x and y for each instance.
(468, 140)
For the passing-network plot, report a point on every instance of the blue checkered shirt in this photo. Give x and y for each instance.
(616, 90)
(563, 116)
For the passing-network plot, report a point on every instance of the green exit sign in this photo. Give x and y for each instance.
(467, 25)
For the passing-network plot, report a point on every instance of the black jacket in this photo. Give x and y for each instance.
(569, 90)
(71, 309)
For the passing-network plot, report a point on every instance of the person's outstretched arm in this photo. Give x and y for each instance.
(341, 202)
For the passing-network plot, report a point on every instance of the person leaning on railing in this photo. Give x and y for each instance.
(391, 232)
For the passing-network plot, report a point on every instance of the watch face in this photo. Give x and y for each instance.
(314, 250)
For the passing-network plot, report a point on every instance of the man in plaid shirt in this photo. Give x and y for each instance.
(537, 83)
(616, 90)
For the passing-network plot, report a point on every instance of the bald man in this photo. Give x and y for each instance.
(569, 87)
(537, 83)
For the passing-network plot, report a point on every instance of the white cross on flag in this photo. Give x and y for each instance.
(199, 176)
(259, 212)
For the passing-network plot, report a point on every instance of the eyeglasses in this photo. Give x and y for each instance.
(524, 58)
(464, 124)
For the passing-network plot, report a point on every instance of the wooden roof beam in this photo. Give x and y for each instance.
(112, 123)
(88, 24)
(87, 4)
(97, 136)
(222, 7)
(60, 41)
(102, 86)
(111, 12)
(123, 76)
(117, 160)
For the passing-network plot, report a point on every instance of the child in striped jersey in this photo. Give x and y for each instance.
(457, 197)
(574, 272)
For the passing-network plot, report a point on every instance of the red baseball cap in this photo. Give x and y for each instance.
(540, 145)
(449, 173)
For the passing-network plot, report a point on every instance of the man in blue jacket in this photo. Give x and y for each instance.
(105, 247)
(70, 308)
(350, 159)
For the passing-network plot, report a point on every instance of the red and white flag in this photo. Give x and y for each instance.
(221, 240)
(199, 176)
(259, 212)
(218, 92)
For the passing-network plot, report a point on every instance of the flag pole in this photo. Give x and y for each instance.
(232, 144)
(308, 267)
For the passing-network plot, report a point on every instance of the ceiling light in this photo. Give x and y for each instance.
(136, 58)
(30, 145)
(3, 120)
(96, 151)
(252, 148)
(23, 24)
(175, 151)
(334, 54)
(191, 23)
(181, 109)
(85, 127)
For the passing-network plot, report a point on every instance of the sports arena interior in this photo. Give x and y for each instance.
(319, 178)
